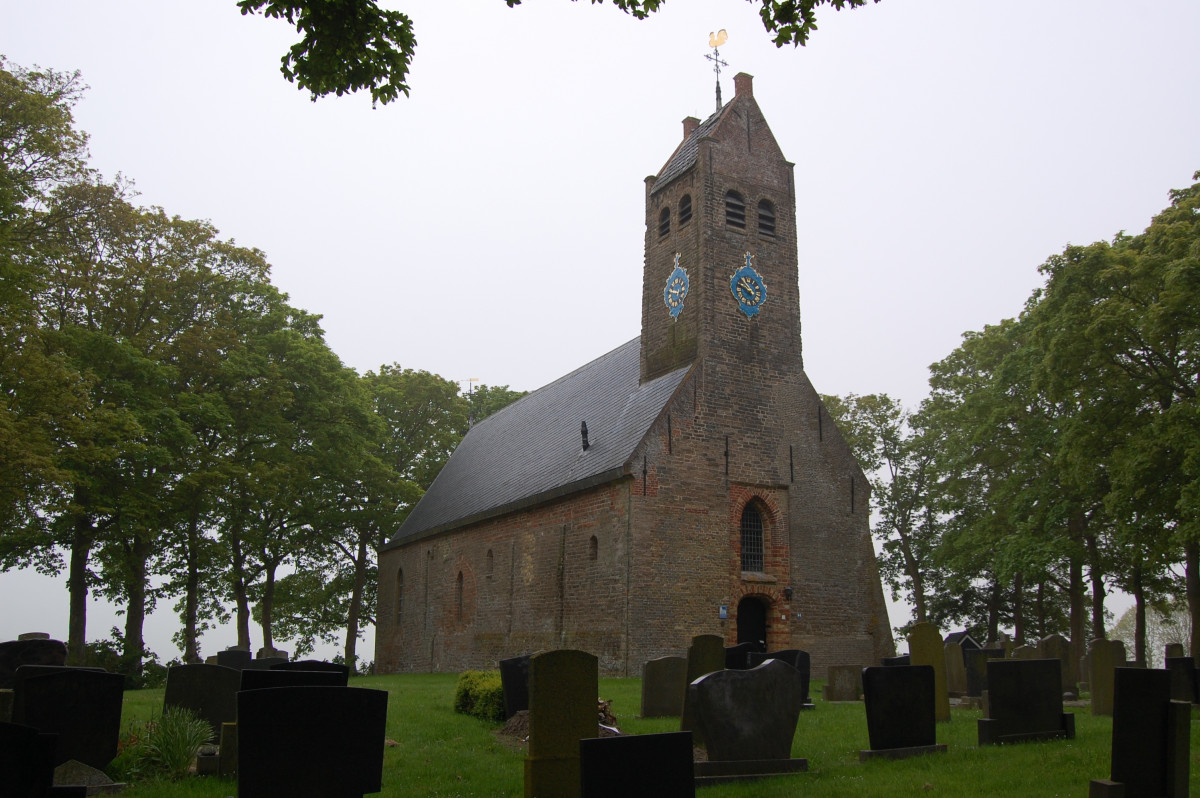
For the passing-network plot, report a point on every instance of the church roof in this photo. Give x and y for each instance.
(532, 450)
(686, 154)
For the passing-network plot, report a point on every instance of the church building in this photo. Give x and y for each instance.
(688, 482)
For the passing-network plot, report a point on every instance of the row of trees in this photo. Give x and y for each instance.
(1058, 454)
(172, 429)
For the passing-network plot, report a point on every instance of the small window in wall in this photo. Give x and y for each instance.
(766, 219)
(664, 222)
(685, 209)
(490, 563)
(752, 539)
(399, 595)
(593, 548)
(458, 597)
(735, 210)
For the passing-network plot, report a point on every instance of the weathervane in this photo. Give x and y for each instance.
(715, 40)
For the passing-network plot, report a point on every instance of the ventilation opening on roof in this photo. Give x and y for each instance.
(735, 210)
(664, 222)
(685, 209)
(766, 219)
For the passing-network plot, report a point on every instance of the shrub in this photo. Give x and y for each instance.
(480, 693)
(163, 748)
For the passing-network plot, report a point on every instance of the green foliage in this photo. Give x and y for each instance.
(161, 749)
(480, 693)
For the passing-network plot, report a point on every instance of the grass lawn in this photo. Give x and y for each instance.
(438, 753)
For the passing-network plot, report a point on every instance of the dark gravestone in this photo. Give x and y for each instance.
(658, 765)
(310, 742)
(737, 657)
(705, 655)
(1183, 678)
(1025, 702)
(1058, 647)
(208, 690)
(265, 679)
(562, 711)
(901, 711)
(798, 659)
(233, 658)
(1150, 739)
(82, 706)
(15, 653)
(514, 679)
(313, 665)
(748, 714)
(892, 662)
(263, 663)
(976, 662)
(664, 681)
(26, 761)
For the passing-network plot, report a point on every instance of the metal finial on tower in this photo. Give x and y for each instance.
(715, 40)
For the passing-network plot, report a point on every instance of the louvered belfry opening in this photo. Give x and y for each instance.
(735, 210)
(766, 219)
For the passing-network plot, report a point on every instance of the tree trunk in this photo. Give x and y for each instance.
(913, 569)
(1075, 526)
(1096, 575)
(82, 538)
(137, 554)
(1018, 609)
(1191, 578)
(356, 596)
(1041, 610)
(266, 603)
(1139, 616)
(993, 609)
(191, 591)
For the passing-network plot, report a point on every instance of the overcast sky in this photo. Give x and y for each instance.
(491, 225)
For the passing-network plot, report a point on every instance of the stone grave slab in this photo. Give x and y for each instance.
(976, 665)
(1024, 703)
(658, 765)
(1104, 656)
(208, 690)
(956, 670)
(1058, 647)
(263, 663)
(664, 681)
(26, 760)
(563, 688)
(1183, 678)
(256, 679)
(800, 660)
(82, 706)
(705, 655)
(514, 679)
(901, 713)
(234, 658)
(925, 647)
(1172, 650)
(1150, 739)
(738, 657)
(314, 665)
(310, 742)
(843, 683)
(1026, 652)
(893, 662)
(15, 653)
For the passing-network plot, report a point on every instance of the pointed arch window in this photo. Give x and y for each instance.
(766, 219)
(752, 539)
(735, 210)
(664, 222)
(685, 209)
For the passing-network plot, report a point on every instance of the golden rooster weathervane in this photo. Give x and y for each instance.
(715, 40)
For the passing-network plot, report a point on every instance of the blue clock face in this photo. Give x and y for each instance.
(676, 289)
(748, 288)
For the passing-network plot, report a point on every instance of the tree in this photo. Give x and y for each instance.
(349, 45)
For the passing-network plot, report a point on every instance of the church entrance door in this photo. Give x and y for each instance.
(751, 620)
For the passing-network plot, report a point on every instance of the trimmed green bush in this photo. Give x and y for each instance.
(480, 693)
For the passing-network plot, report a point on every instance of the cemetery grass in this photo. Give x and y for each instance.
(433, 751)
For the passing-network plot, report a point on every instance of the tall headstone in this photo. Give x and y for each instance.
(800, 660)
(664, 682)
(956, 670)
(82, 706)
(1104, 656)
(15, 653)
(210, 691)
(306, 742)
(1058, 647)
(925, 647)
(563, 687)
(1025, 702)
(901, 716)
(977, 659)
(514, 680)
(705, 655)
(843, 683)
(737, 657)
(1151, 738)
(1183, 678)
(238, 658)
(658, 765)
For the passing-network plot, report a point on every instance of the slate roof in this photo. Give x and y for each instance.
(532, 450)
(685, 156)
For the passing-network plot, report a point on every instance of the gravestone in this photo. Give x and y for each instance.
(563, 687)
(1026, 652)
(1183, 678)
(1058, 647)
(514, 680)
(1151, 738)
(658, 765)
(901, 716)
(227, 753)
(843, 683)
(6, 702)
(1173, 650)
(263, 663)
(1025, 702)
(33, 636)
(26, 760)
(310, 742)
(15, 653)
(256, 679)
(1104, 657)
(314, 665)
(664, 681)
(208, 690)
(271, 653)
(82, 706)
(737, 657)
(925, 647)
(705, 655)
(746, 720)
(800, 660)
(892, 662)
(956, 670)
(234, 658)
(977, 659)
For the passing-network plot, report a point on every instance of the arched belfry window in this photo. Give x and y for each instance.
(664, 222)
(752, 539)
(735, 210)
(685, 209)
(399, 594)
(766, 219)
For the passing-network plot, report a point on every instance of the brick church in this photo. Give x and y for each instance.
(688, 482)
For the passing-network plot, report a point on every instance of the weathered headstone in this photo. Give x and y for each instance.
(256, 679)
(658, 765)
(843, 683)
(800, 660)
(893, 662)
(514, 680)
(271, 653)
(901, 718)
(33, 636)
(227, 765)
(925, 647)
(234, 658)
(1105, 656)
(15, 653)
(664, 681)
(1025, 702)
(1151, 738)
(82, 706)
(1058, 647)
(737, 657)
(1173, 650)
(705, 655)
(305, 742)
(977, 668)
(208, 690)
(563, 687)
(1183, 678)
(1026, 652)
(956, 670)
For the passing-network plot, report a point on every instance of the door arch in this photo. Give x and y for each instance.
(752, 620)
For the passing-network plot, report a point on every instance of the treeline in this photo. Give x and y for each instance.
(172, 429)
(1058, 454)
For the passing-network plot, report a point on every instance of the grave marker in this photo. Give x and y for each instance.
(208, 690)
(658, 765)
(82, 706)
(977, 668)
(956, 670)
(1150, 739)
(800, 660)
(664, 681)
(925, 647)
(843, 683)
(1104, 657)
(1025, 703)
(1058, 647)
(514, 679)
(563, 687)
(901, 715)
